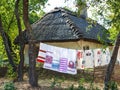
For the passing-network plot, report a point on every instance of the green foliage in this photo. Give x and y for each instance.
(56, 82)
(34, 16)
(9, 22)
(53, 84)
(10, 72)
(9, 25)
(81, 5)
(83, 87)
(115, 10)
(81, 81)
(113, 85)
(35, 10)
(107, 12)
(71, 87)
(36, 5)
(92, 87)
(113, 34)
(9, 86)
(3, 63)
(3, 58)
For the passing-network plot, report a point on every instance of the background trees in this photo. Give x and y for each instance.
(109, 14)
(11, 26)
(7, 27)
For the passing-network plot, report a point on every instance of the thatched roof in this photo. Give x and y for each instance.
(62, 25)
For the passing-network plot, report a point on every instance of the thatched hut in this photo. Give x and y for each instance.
(62, 28)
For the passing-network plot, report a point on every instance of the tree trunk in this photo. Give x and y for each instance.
(8, 46)
(21, 44)
(32, 62)
(111, 65)
(21, 63)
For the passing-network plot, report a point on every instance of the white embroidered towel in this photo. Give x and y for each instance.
(71, 65)
(88, 57)
(97, 57)
(80, 61)
(42, 52)
(105, 56)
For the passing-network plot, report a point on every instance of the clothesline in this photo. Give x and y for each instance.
(68, 60)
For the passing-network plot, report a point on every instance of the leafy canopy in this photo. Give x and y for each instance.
(9, 22)
(105, 11)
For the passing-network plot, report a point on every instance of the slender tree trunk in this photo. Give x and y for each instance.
(32, 62)
(21, 63)
(111, 65)
(8, 46)
(21, 44)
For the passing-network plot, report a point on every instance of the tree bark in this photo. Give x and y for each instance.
(8, 46)
(21, 44)
(32, 62)
(111, 65)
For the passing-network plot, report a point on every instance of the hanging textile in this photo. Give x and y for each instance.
(101, 57)
(97, 57)
(80, 60)
(105, 57)
(63, 59)
(67, 60)
(71, 66)
(60, 59)
(88, 59)
(42, 53)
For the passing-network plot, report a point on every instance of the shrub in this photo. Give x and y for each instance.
(113, 85)
(9, 86)
(10, 72)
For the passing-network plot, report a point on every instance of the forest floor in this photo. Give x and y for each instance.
(51, 80)
(47, 84)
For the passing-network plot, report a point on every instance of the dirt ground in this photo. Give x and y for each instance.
(50, 80)
(44, 85)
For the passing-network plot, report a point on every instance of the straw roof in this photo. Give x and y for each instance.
(63, 25)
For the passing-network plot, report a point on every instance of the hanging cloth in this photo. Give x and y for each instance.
(105, 57)
(60, 59)
(97, 57)
(42, 53)
(80, 61)
(63, 59)
(88, 59)
(71, 65)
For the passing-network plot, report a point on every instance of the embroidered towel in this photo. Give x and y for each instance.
(53, 63)
(97, 57)
(71, 65)
(42, 53)
(88, 57)
(63, 59)
(80, 61)
(60, 59)
(105, 57)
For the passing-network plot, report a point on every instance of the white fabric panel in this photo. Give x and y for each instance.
(80, 62)
(88, 57)
(60, 59)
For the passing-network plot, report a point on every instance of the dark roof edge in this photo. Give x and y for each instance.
(69, 40)
(93, 40)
